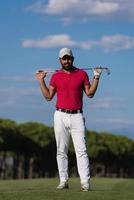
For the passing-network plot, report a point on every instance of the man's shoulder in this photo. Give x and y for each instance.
(57, 73)
(81, 71)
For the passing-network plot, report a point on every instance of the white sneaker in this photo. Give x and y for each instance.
(62, 185)
(85, 187)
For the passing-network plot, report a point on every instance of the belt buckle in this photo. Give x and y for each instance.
(68, 111)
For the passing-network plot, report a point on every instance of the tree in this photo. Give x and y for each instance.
(15, 145)
(112, 153)
(45, 163)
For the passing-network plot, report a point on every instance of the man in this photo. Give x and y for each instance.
(69, 83)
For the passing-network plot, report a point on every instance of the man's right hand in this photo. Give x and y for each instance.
(40, 75)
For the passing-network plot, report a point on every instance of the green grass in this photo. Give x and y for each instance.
(44, 189)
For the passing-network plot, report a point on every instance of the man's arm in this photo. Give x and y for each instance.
(48, 93)
(90, 90)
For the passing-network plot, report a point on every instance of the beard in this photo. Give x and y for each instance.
(67, 67)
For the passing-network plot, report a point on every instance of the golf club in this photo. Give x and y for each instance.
(107, 70)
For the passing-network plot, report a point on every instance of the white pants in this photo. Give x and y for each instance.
(65, 125)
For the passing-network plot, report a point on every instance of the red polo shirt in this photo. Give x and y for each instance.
(69, 88)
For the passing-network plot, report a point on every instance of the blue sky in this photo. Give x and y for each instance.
(100, 32)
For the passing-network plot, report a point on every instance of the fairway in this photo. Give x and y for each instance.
(44, 189)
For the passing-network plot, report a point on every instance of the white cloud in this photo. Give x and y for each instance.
(103, 8)
(13, 96)
(108, 103)
(88, 7)
(118, 125)
(117, 121)
(79, 9)
(116, 42)
(50, 42)
(23, 79)
(108, 43)
(67, 20)
(74, 7)
(105, 103)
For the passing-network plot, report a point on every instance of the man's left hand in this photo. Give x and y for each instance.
(97, 72)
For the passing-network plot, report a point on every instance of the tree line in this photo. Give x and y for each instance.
(28, 150)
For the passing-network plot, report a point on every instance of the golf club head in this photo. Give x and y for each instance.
(106, 69)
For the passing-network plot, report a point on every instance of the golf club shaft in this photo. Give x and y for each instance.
(88, 68)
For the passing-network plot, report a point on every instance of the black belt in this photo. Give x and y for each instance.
(70, 111)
